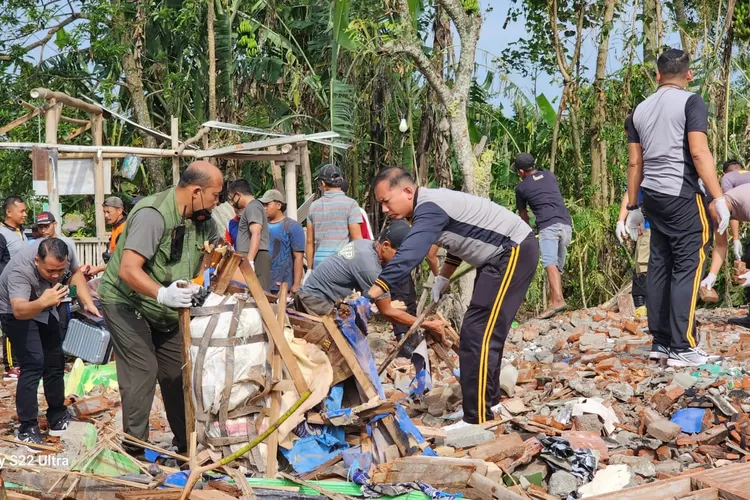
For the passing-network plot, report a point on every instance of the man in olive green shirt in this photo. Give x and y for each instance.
(160, 247)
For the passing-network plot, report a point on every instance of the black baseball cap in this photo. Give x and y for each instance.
(729, 163)
(395, 233)
(331, 175)
(45, 218)
(524, 161)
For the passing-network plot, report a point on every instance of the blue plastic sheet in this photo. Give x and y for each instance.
(690, 419)
(354, 328)
(308, 453)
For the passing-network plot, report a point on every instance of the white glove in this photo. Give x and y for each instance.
(723, 214)
(441, 283)
(746, 278)
(175, 297)
(633, 222)
(621, 232)
(709, 281)
(737, 249)
(307, 275)
(252, 264)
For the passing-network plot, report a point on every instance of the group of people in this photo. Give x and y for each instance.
(156, 253)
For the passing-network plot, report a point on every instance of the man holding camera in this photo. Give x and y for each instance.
(31, 288)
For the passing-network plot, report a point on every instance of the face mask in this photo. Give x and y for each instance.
(236, 201)
(201, 215)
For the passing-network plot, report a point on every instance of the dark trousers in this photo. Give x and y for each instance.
(10, 360)
(263, 268)
(499, 289)
(680, 237)
(406, 292)
(39, 350)
(145, 355)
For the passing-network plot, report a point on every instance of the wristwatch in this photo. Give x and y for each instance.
(632, 207)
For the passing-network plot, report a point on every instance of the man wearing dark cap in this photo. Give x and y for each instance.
(539, 191)
(333, 219)
(356, 266)
(47, 226)
(114, 215)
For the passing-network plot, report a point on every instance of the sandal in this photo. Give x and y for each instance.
(549, 313)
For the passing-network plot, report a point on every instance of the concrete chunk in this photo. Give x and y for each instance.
(467, 437)
(664, 430)
(561, 484)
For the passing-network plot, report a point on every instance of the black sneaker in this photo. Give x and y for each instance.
(32, 436)
(658, 352)
(744, 321)
(59, 427)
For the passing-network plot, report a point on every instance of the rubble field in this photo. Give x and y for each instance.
(583, 414)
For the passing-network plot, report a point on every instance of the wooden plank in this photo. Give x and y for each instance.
(439, 472)
(491, 490)
(272, 325)
(245, 146)
(658, 490)
(187, 367)
(96, 132)
(19, 121)
(272, 465)
(313, 331)
(704, 494)
(412, 330)
(348, 354)
(304, 155)
(226, 273)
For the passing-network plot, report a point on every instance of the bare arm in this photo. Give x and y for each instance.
(623, 208)
(355, 232)
(255, 230)
(83, 292)
(132, 273)
(24, 309)
(432, 260)
(635, 171)
(524, 214)
(310, 245)
(719, 253)
(704, 163)
(735, 225)
(298, 271)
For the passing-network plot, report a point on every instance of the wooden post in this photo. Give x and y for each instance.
(187, 369)
(290, 178)
(272, 464)
(175, 143)
(96, 132)
(50, 137)
(304, 156)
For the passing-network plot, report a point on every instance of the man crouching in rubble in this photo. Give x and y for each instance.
(160, 249)
(497, 242)
(356, 266)
(738, 203)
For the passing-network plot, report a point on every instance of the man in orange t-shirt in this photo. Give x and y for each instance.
(114, 215)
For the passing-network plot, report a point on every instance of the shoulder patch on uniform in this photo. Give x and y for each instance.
(536, 178)
(347, 251)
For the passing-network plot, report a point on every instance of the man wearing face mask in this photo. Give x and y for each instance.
(252, 230)
(159, 249)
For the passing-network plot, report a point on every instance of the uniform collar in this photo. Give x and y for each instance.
(18, 229)
(120, 221)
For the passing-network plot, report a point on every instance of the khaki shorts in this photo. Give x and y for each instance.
(642, 251)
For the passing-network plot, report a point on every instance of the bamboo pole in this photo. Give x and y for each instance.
(50, 136)
(175, 144)
(62, 97)
(290, 179)
(187, 369)
(96, 132)
(304, 155)
(71, 148)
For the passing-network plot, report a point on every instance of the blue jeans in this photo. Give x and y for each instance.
(553, 244)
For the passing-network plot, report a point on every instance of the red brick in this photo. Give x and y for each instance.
(589, 440)
(663, 453)
(505, 446)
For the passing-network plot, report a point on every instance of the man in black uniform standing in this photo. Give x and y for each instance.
(497, 242)
(668, 154)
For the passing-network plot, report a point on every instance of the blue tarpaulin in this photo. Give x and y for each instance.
(354, 328)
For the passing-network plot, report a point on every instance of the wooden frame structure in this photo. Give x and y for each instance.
(289, 155)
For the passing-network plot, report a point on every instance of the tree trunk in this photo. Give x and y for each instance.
(650, 41)
(556, 127)
(722, 111)
(599, 177)
(212, 107)
(131, 65)
(681, 18)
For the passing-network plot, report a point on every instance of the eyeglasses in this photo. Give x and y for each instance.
(178, 242)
